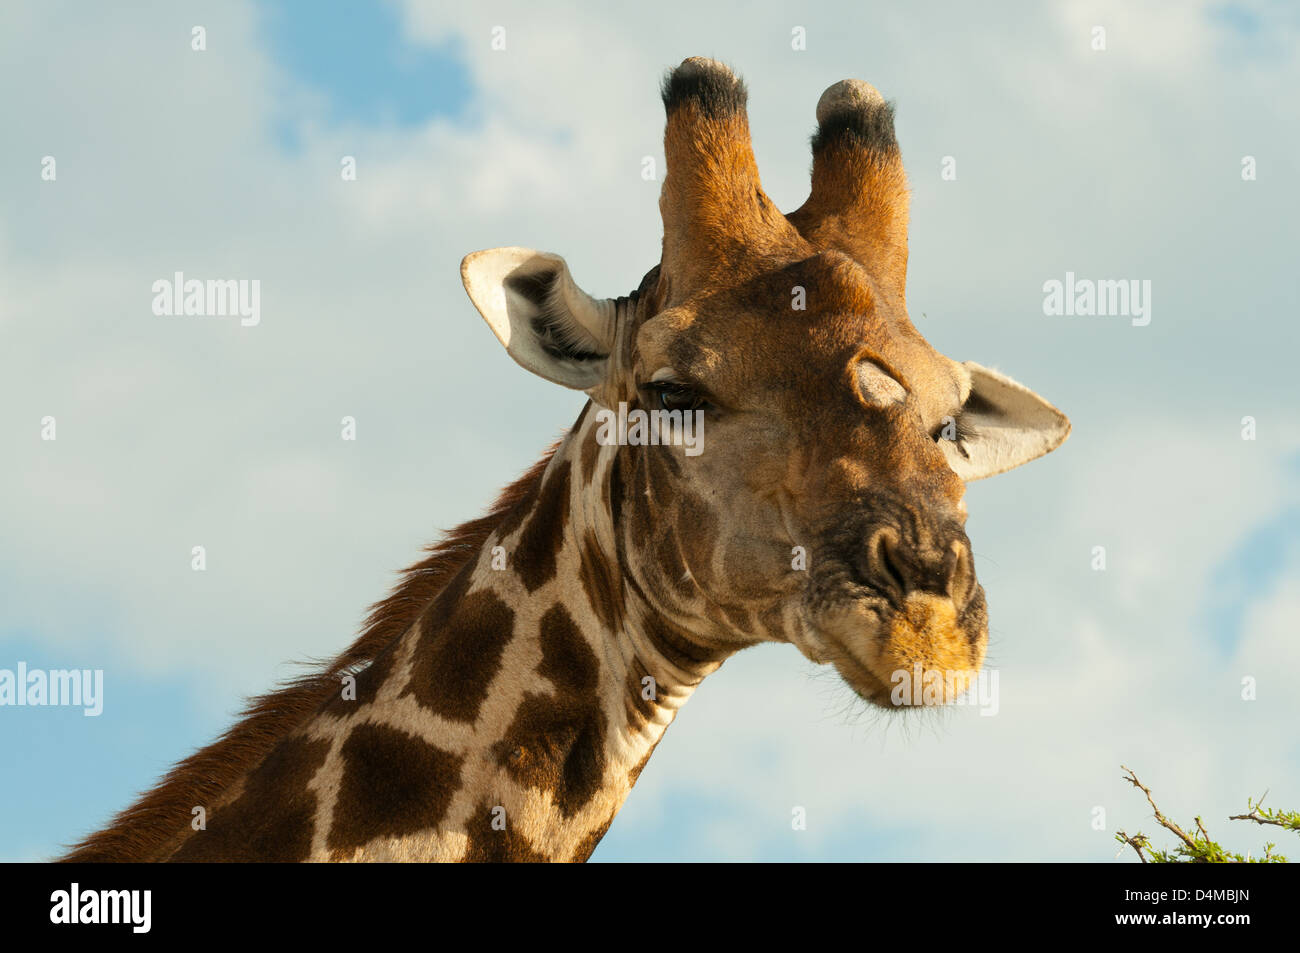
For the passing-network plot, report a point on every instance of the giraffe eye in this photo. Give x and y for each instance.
(954, 428)
(672, 395)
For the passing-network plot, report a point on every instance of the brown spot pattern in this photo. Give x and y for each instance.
(458, 654)
(273, 818)
(368, 682)
(535, 554)
(394, 784)
(562, 735)
(489, 846)
(639, 515)
(601, 583)
(590, 452)
(614, 490)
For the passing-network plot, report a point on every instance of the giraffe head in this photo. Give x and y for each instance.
(823, 504)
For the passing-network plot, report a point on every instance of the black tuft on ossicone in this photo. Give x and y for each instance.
(868, 126)
(718, 92)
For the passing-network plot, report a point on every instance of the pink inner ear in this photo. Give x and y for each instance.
(877, 387)
(1011, 425)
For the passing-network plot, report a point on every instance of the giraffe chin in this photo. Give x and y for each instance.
(924, 653)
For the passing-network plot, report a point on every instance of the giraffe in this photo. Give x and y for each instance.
(501, 702)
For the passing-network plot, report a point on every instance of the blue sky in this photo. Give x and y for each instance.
(360, 60)
(1123, 163)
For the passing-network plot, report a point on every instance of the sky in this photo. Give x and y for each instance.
(1117, 163)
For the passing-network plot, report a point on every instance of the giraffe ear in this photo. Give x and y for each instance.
(1002, 425)
(547, 323)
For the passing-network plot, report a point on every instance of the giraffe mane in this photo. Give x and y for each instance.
(160, 817)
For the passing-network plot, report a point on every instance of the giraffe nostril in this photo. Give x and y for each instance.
(894, 566)
(884, 566)
(960, 571)
(896, 570)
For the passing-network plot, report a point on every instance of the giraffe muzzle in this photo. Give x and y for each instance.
(924, 652)
(918, 636)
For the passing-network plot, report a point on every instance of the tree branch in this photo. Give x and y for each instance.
(1160, 818)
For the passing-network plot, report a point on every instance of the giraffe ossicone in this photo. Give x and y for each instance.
(503, 700)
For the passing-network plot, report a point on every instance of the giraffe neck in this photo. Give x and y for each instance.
(509, 723)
